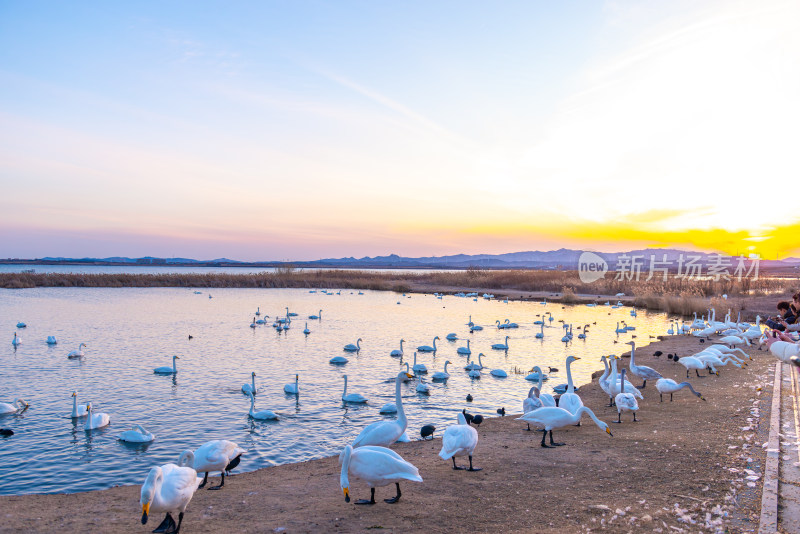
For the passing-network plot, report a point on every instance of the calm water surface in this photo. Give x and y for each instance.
(131, 331)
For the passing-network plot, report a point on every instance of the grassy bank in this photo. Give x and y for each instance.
(674, 295)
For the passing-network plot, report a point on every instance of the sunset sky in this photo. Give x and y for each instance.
(299, 130)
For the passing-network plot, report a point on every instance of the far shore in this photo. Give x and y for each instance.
(680, 468)
(683, 297)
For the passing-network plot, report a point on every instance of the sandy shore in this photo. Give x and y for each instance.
(680, 467)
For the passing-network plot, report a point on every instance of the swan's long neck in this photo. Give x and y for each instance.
(531, 392)
(186, 459)
(140, 429)
(506, 340)
(174, 368)
(401, 345)
(434, 344)
(614, 373)
(344, 481)
(415, 359)
(570, 386)
(358, 343)
(480, 363)
(253, 402)
(344, 393)
(633, 351)
(687, 385)
(445, 366)
(605, 373)
(541, 378)
(398, 400)
(584, 409)
(622, 382)
(74, 406)
(468, 343)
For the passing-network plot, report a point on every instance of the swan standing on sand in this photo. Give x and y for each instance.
(352, 397)
(459, 440)
(218, 455)
(137, 434)
(501, 346)
(397, 352)
(642, 371)
(263, 415)
(293, 389)
(168, 488)
(667, 385)
(570, 400)
(531, 402)
(385, 433)
(378, 467)
(551, 417)
(353, 348)
(442, 375)
(78, 410)
(250, 388)
(95, 420)
(77, 353)
(428, 348)
(625, 402)
(18, 406)
(168, 370)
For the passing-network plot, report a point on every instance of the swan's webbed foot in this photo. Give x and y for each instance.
(205, 480)
(365, 501)
(455, 467)
(554, 444)
(579, 423)
(660, 397)
(396, 497)
(473, 468)
(166, 525)
(221, 484)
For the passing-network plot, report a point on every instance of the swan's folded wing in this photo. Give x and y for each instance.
(378, 433)
(457, 438)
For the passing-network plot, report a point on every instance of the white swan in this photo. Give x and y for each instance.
(218, 455)
(540, 335)
(667, 385)
(353, 348)
(546, 398)
(167, 370)
(78, 410)
(397, 352)
(642, 371)
(472, 365)
(422, 387)
(312, 317)
(168, 488)
(352, 397)
(95, 420)
(625, 402)
(17, 340)
(51, 340)
(137, 434)
(77, 353)
(18, 406)
(551, 417)
(338, 360)
(615, 385)
(377, 466)
(262, 415)
(418, 367)
(501, 346)
(464, 350)
(442, 375)
(570, 400)
(293, 389)
(459, 440)
(428, 348)
(474, 372)
(451, 336)
(532, 401)
(251, 387)
(388, 408)
(306, 331)
(690, 362)
(499, 373)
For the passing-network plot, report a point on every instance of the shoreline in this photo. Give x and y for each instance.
(679, 453)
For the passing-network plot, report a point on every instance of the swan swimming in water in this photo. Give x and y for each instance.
(77, 353)
(418, 367)
(353, 348)
(19, 405)
(459, 440)
(167, 370)
(442, 375)
(428, 348)
(263, 415)
(168, 488)
(293, 389)
(251, 387)
(352, 397)
(338, 360)
(501, 346)
(137, 434)
(377, 466)
(397, 352)
(384, 433)
(218, 455)
(51, 340)
(464, 350)
(78, 410)
(95, 420)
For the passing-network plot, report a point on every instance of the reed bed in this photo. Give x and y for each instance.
(673, 295)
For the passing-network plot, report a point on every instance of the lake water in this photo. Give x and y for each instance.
(133, 330)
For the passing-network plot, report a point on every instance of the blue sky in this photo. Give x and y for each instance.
(300, 130)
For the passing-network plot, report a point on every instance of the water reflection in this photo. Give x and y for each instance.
(203, 400)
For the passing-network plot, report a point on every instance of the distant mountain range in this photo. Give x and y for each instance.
(553, 259)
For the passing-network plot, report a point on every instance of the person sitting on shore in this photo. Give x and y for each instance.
(785, 316)
(793, 326)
